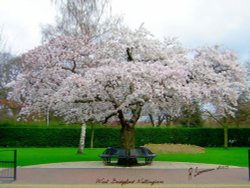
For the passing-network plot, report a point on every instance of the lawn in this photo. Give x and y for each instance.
(32, 156)
(231, 156)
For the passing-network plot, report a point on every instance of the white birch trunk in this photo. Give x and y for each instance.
(82, 139)
(47, 117)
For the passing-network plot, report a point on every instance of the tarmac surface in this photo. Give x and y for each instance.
(159, 174)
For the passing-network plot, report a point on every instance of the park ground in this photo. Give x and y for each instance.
(78, 174)
(62, 167)
(234, 156)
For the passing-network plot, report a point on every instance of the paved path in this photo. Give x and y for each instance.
(154, 165)
(159, 174)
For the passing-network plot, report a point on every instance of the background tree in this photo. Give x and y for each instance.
(223, 99)
(242, 116)
(9, 70)
(88, 18)
(10, 67)
(191, 116)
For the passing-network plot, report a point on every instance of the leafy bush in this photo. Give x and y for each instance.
(104, 137)
(195, 136)
(38, 137)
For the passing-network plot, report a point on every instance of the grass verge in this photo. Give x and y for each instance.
(230, 156)
(33, 156)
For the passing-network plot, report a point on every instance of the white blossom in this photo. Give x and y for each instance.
(84, 80)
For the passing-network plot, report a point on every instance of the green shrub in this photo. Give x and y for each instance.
(195, 136)
(38, 137)
(104, 137)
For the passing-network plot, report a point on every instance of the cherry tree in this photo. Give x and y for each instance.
(222, 78)
(122, 90)
(45, 69)
(125, 74)
(227, 81)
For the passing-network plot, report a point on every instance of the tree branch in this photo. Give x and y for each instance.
(135, 114)
(129, 54)
(96, 99)
(108, 117)
(211, 115)
(121, 118)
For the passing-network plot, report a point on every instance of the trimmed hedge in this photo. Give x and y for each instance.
(104, 137)
(38, 137)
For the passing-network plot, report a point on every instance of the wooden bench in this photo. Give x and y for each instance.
(119, 153)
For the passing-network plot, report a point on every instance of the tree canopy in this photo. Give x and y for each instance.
(93, 80)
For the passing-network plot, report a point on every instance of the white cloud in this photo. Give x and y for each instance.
(21, 21)
(195, 22)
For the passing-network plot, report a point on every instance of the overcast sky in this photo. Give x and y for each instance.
(194, 22)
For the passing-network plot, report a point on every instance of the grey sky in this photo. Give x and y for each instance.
(194, 22)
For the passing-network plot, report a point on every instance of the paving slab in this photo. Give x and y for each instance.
(154, 165)
(159, 174)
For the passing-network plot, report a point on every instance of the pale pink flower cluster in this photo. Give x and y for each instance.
(82, 79)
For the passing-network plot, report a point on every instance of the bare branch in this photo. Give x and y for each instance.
(109, 116)
(211, 115)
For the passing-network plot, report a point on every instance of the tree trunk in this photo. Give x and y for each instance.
(225, 136)
(151, 119)
(225, 128)
(82, 139)
(128, 137)
(160, 120)
(170, 123)
(92, 136)
(14, 113)
(188, 118)
(47, 117)
(127, 143)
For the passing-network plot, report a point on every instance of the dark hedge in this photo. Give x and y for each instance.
(104, 137)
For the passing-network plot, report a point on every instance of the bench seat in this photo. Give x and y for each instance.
(119, 153)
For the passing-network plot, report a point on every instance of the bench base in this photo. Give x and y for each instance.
(127, 158)
(127, 161)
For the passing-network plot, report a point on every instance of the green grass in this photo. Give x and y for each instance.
(33, 156)
(230, 156)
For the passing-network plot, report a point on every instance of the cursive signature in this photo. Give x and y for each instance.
(127, 181)
(194, 172)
